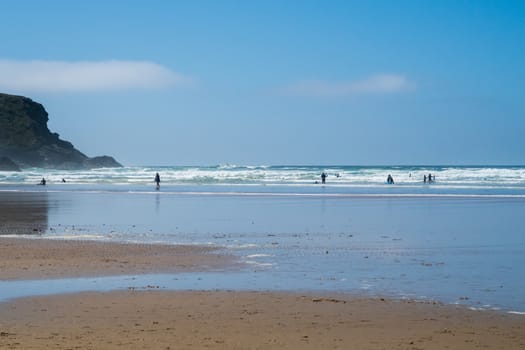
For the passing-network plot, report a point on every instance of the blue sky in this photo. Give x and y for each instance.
(274, 82)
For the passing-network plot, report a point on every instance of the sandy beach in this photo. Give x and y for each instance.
(257, 306)
(248, 320)
(42, 258)
(262, 175)
(154, 319)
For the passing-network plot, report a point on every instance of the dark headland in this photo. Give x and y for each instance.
(25, 140)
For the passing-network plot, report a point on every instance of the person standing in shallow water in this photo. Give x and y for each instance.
(323, 177)
(157, 180)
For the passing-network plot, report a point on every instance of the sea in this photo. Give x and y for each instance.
(459, 239)
(367, 180)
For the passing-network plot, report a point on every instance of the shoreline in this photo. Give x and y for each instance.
(34, 258)
(298, 191)
(240, 320)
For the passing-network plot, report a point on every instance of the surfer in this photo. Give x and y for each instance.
(429, 177)
(42, 182)
(157, 180)
(390, 179)
(424, 179)
(323, 177)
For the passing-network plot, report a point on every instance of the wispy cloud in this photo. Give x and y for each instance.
(62, 76)
(374, 84)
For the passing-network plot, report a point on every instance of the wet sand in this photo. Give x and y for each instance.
(43, 259)
(155, 319)
(248, 320)
(466, 250)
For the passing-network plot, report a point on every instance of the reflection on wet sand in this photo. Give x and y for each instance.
(23, 213)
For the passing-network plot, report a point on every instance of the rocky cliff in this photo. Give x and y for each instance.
(26, 140)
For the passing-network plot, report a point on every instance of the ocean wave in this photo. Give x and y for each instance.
(447, 177)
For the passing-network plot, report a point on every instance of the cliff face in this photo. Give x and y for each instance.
(26, 140)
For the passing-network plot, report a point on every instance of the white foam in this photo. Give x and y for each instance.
(242, 246)
(76, 237)
(258, 256)
(251, 262)
(516, 312)
(235, 174)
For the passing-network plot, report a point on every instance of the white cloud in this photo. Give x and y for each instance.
(374, 84)
(61, 76)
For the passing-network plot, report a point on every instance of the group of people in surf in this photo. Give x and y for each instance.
(43, 182)
(389, 180)
(430, 178)
(324, 176)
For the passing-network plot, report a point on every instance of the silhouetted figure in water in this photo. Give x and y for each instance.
(424, 179)
(429, 177)
(157, 180)
(63, 180)
(42, 182)
(390, 180)
(323, 178)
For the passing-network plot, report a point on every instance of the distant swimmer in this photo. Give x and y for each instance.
(157, 180)
(424, 179)
(42, 182)
(63, 180)
(429, 177)
(323, 178)
(390, 179)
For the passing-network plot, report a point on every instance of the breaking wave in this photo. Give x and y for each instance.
(408, 179)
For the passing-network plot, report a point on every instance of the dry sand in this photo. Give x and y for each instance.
(248, 320)
(42, 258)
